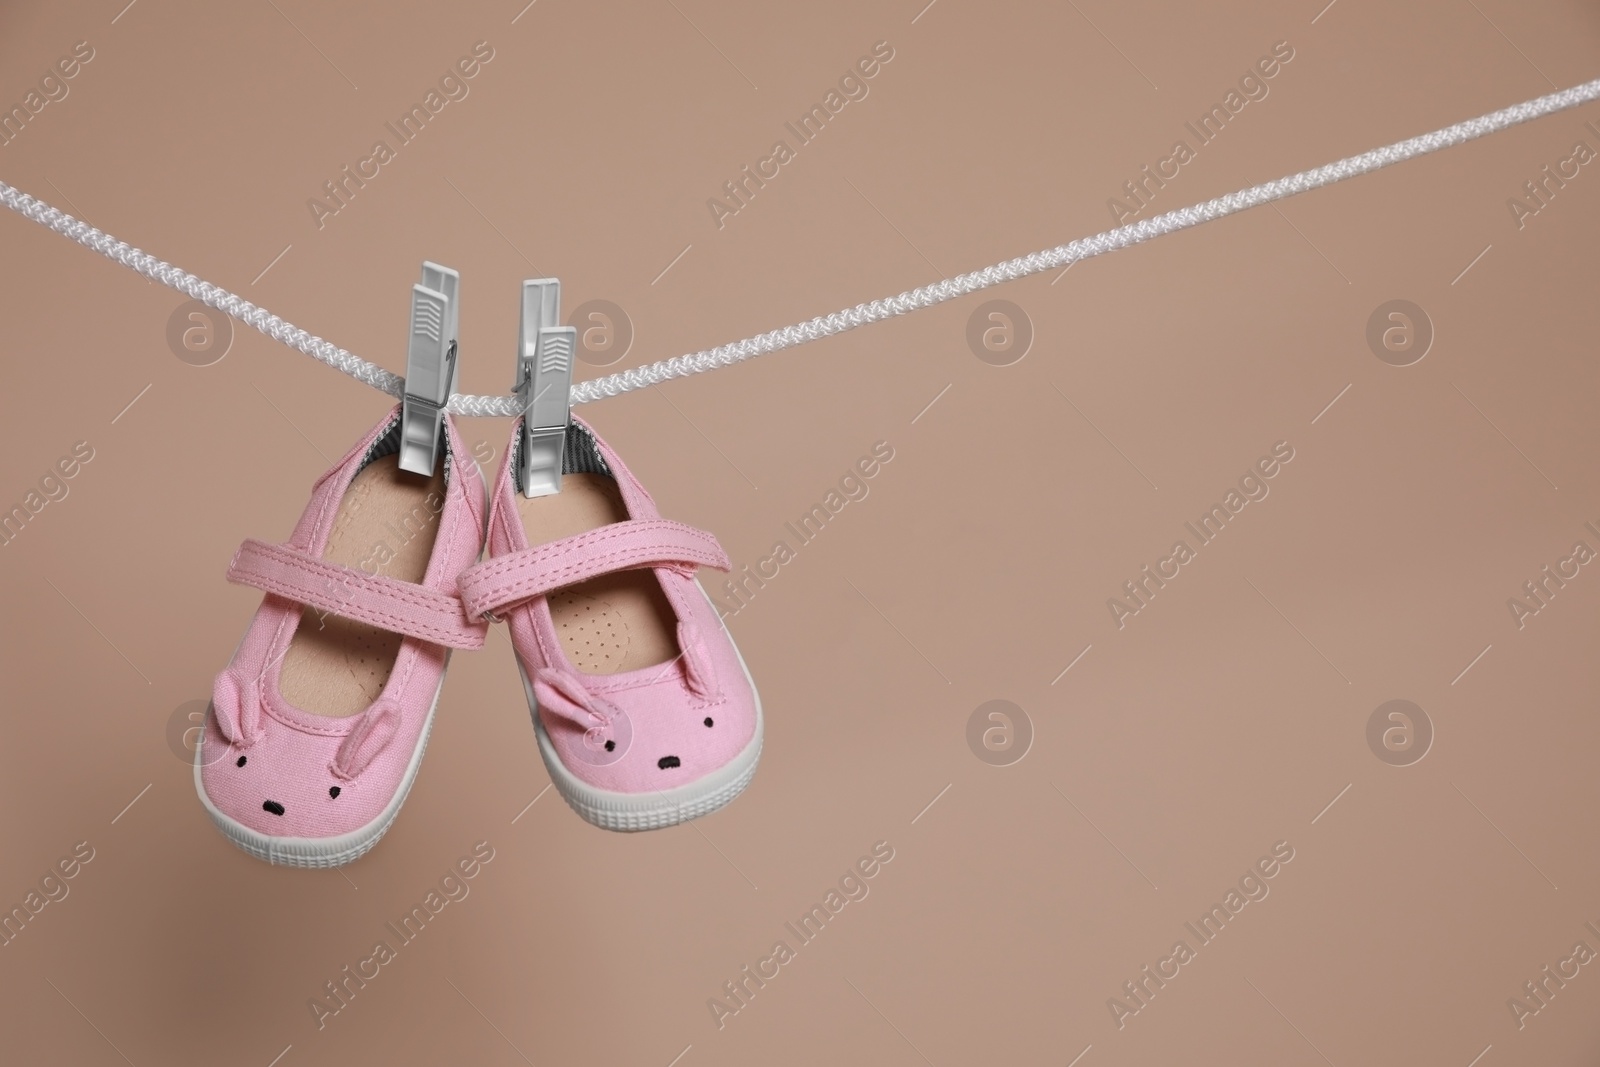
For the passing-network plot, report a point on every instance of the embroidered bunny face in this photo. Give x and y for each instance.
(277, 807)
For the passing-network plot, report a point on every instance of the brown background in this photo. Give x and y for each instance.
(1171, 756)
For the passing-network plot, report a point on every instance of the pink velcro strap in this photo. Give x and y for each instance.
(399, 607)
(520, 576)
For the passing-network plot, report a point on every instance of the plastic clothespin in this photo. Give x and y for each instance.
(544, 385)
(430, 367)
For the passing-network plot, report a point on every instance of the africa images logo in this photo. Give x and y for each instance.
(852, 86)
(853, 886)
(453, 887)
(453, 86)
(1253, 487)
(1252, 888)
(1208, 127)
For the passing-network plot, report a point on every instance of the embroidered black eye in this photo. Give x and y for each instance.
(273, 807)
(241, 762)
(610, 745)
(668, 762)
(333, 792)
(709, 722)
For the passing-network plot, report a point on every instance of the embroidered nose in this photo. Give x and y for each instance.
(277, 809)
(666, 762)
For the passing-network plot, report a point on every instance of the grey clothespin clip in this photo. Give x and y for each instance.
(430, 367)
(544, 382)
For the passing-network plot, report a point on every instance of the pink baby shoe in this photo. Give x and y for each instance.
(320, 720)
(645, 713)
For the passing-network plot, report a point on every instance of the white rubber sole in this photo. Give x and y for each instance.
(632, 812)
(321, 852)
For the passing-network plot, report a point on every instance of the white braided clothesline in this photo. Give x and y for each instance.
(822, 326)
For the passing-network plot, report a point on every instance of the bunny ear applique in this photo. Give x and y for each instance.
(606, 732)
(697, 672)
(373, 732)
(236, 703)
(559, 693)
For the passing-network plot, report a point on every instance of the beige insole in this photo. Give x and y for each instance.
(616, 622)
(386, 526)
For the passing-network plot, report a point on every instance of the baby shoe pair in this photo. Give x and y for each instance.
(644, 712)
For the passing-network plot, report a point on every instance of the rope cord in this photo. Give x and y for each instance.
(823, 326)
